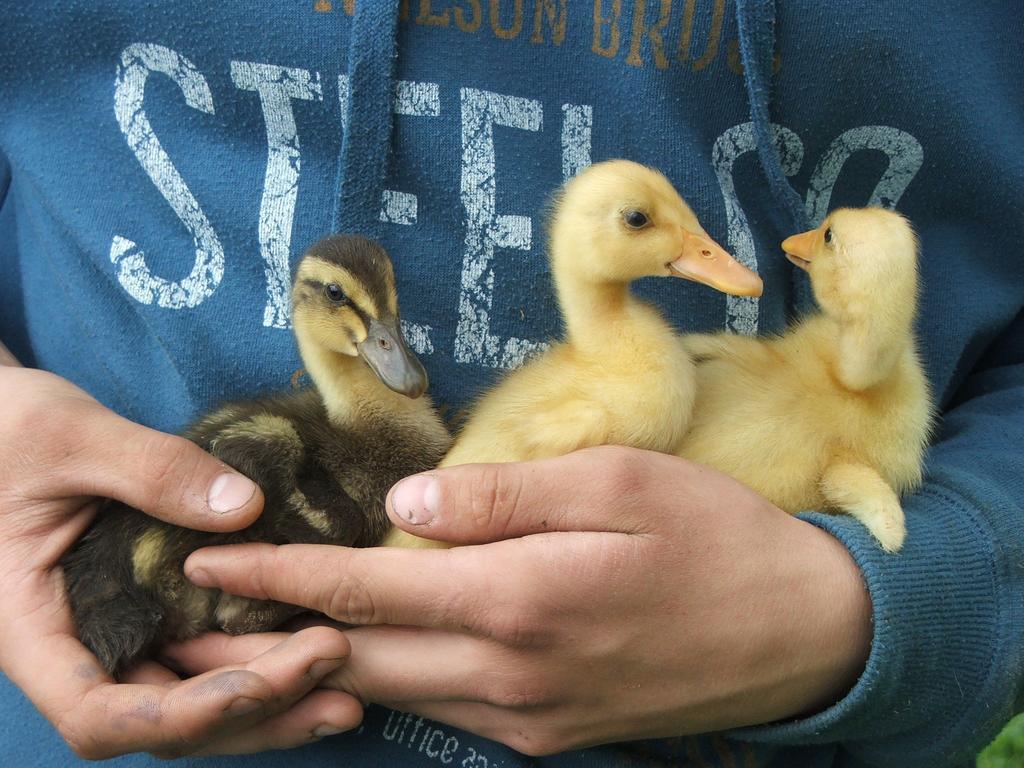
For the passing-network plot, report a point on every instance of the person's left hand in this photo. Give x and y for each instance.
(627, 595)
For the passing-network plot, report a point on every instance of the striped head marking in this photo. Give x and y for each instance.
(344, 300)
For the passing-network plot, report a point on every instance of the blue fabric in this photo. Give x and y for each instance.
(756, 27)
(158, 291)
(362, 166)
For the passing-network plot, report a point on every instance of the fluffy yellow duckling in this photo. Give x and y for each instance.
(835, 413)
(620, 375)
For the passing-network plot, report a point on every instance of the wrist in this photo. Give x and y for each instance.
(839, 624)
(797, 634)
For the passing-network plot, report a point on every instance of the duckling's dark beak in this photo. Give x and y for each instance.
(705, 261)
(385, 351)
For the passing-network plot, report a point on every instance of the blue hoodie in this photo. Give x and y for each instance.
(163, 165)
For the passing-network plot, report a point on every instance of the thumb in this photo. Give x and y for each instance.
(596, 489)
(163, 475)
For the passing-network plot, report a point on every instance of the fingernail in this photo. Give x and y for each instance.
(244, 705)
(229, 492)
(415, 499)
(326, 730)
(324, 667)
(199, 577)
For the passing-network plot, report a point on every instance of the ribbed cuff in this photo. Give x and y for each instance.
(938, 620)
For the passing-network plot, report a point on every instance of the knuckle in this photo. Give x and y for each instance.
(184, 737)
(520, 627)
(164, 462)
(260, 572)
(492, 498)
(39, 403)
(81, 741)
(352, 601)
(519, 693)
(35, 417)
(343, 679)
(535, 743)
(625, 471)
(163, 456)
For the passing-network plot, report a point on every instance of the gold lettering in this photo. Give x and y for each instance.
(654, 34)
(732, 57)
(639, 10)
(714, 36)
(507, 33)
(349, 6)
(657, 41)
(687, 38)
(476, 18)
(548, 7)
(322, 6)
(429, 19)
(403, 10)
(600, 22)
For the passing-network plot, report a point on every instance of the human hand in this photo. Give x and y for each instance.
(647, 596)
(59, 449)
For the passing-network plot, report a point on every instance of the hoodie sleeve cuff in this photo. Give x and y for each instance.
(942, 638)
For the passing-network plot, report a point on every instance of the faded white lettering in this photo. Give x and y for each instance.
(486, 229)
(138, 61)
(905, 156)
(741, 311)
(276, 87)
(577, 124)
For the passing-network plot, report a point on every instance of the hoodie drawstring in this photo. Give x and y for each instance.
(366, 144)
(756, 22)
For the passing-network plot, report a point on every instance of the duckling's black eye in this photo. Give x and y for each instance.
(334, 293)
(828, 236)
(635, 219)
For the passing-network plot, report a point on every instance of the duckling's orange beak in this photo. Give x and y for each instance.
(705, 261)
(800, 248)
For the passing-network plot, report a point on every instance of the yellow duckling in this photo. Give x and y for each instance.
(620, 375)
(835, 413)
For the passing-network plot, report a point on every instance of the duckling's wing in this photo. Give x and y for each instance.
(704, 347)
(324, 510)
(266, 448)
(565, 427)
(207, 427)
(346, 477)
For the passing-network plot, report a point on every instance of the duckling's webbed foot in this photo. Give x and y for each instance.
(120, 631)
(242, 615)
(859, 490)
(116, 617)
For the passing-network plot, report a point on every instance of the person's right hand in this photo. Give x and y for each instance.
(59, 450)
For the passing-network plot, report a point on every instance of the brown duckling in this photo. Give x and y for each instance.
(324, 457)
